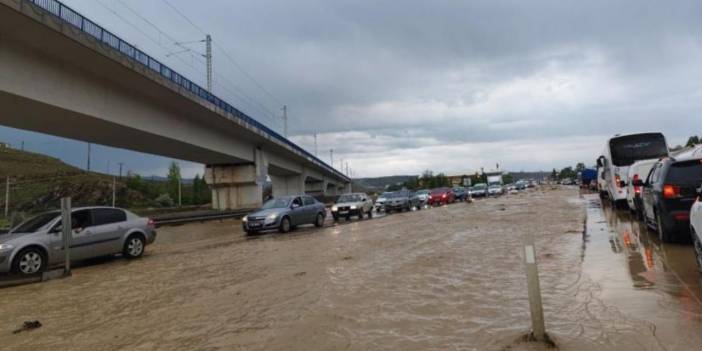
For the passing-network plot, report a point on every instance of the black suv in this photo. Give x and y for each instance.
(670, 191)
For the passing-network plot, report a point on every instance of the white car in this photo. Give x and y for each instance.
(696, 227)
(638, 170)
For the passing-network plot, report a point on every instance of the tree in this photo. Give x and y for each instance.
(579, 167)
(692, 141)
(554, 174)
(507, 178)
(173, 180)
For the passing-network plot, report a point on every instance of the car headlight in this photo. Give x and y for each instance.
(334, 208)
(6, 247)
(272, 216)
(245, 219)
(353, 207)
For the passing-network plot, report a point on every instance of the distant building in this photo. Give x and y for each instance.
(459, 180)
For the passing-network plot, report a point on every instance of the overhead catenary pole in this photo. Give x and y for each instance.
(285, 121)
(331, 157)
(120, 169)
(315, 145)
(208, 57)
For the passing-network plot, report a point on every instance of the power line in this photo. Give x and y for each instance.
(242, 96)
(226, 54)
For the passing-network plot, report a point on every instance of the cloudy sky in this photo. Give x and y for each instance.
(396, 87)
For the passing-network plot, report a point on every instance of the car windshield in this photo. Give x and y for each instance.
(350, 198)
(439, 191)
(628, 149)
(282, 202)
(396, 195)
(479, 187)
(422, 192)
(495, 186)
(384, 195)
(35, 223)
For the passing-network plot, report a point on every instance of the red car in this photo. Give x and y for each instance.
(441, 196)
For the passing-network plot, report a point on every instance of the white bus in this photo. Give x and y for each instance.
(621, 152)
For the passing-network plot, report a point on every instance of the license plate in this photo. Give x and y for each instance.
(254, 225)
(343, 212)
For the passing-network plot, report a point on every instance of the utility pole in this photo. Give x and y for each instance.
(285, 121)
(347, 168)
(208, 57)
(180, 202)
(315, 145)
(120, 169)
(89, 145)
(331, 157)
(114, 191)
(7, 196)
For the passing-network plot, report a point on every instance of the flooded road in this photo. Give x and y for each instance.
(448, 278)
(644, 278)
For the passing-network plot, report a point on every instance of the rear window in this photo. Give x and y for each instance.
(102, 216)
(628, 149)
(687, 172)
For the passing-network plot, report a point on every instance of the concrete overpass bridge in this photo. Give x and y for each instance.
(62, 74)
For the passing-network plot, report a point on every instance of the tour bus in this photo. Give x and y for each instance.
(621, 152)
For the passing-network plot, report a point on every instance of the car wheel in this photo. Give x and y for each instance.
(134, 246)
(370, 213)
(663, 234)
(319, 221)
(29, 261)
(360, 213)
(335, 217)
(284, 225)
(697, 245)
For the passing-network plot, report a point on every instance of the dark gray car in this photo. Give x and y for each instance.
(36, 244)
(285, 213)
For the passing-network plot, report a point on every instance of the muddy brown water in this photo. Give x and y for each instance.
(448, 278)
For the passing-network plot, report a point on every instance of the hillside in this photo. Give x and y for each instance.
(379, 183)
(38, 182)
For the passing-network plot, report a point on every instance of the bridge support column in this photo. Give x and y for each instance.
(237, 186)
(316, 187)
(288, 184)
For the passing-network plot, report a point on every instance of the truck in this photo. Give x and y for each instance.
(588, 177)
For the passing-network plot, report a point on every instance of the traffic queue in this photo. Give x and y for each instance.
(661, 187)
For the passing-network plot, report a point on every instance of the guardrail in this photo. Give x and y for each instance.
(77, 20)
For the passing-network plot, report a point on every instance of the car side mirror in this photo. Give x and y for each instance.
(699, 193)
(294, 206)
(56, 229)
(599, 162)
(622, 183)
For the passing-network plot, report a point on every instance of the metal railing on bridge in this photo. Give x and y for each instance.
(77, 20)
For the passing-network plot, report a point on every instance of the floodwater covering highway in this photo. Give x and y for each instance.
(448, 278)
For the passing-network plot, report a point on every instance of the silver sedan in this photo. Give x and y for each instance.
(37, 244)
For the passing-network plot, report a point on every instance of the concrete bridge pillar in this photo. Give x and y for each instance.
(288, 184)
(318, 187)
(238, 186)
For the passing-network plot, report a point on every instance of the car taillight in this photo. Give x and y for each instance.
(685, 216)
(671, 191)
(444, 196)
(637, 189)
(151, 224)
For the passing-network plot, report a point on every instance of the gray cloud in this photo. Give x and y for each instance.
(396, 81)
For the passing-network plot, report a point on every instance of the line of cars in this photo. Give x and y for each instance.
(662, 188)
